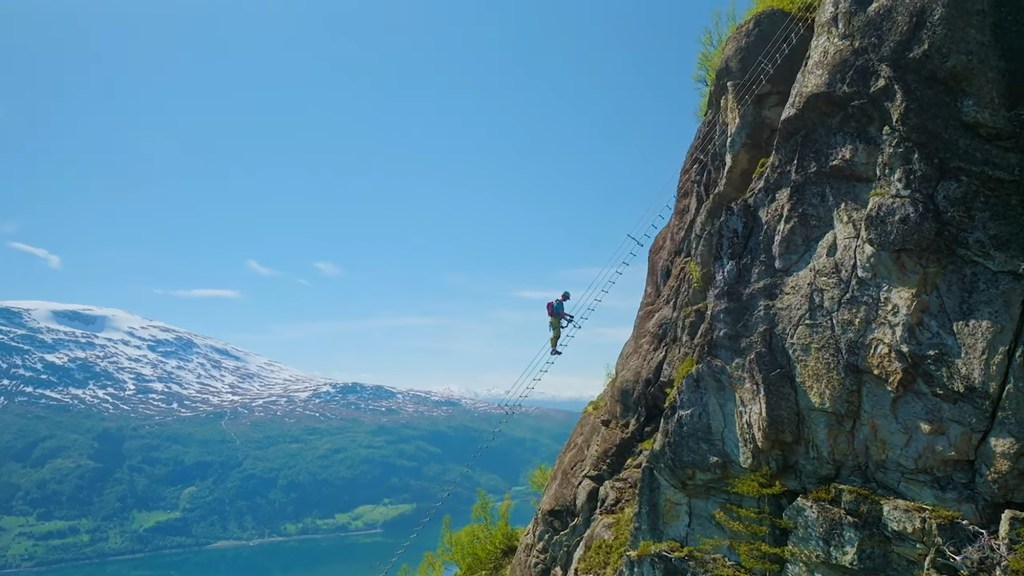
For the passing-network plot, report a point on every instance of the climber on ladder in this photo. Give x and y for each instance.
(556, 313)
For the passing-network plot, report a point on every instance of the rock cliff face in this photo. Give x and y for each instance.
(837, 301)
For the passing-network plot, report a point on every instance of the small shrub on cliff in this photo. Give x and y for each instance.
(682, 371)
(864, 493)
(1015, 561)
(944, 515)
(826, 493)
(605, 557)
(757, 527)
(599, 402)
(806, 9)
(712, 39)
(712, 45)
(594, 405)
(695, 275)
(668, 547)
(485, 546)
(879, 192)
(538, 480)
(762, 165)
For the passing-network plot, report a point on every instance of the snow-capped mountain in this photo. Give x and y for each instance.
(114, 360)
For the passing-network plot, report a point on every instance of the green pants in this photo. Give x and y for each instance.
(556, 331)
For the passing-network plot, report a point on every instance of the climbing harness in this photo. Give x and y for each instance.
(712, 136)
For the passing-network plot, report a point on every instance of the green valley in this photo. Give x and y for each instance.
(78, 485)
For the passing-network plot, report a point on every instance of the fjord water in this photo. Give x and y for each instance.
(340, 555)
(328, 556)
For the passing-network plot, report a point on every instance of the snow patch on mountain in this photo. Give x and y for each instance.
(114, 360)
(102, 321)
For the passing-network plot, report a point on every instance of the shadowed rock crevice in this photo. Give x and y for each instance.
(1011, 352)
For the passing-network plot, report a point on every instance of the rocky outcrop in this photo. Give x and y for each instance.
(838, 298)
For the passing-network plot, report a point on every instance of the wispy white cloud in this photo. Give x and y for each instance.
(327, 268)
(52, 260)
(303, 282)
(202, 293)
(260, 269)
(8, 226)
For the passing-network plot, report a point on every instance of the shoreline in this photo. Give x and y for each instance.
(218, 545)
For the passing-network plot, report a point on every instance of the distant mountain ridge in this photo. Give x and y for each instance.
(537, 398)
(113, 360)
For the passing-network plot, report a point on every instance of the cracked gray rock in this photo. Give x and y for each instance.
(854, 309)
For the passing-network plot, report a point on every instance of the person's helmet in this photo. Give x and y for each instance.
(565, 295)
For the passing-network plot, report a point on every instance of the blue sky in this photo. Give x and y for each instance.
(378, 191)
